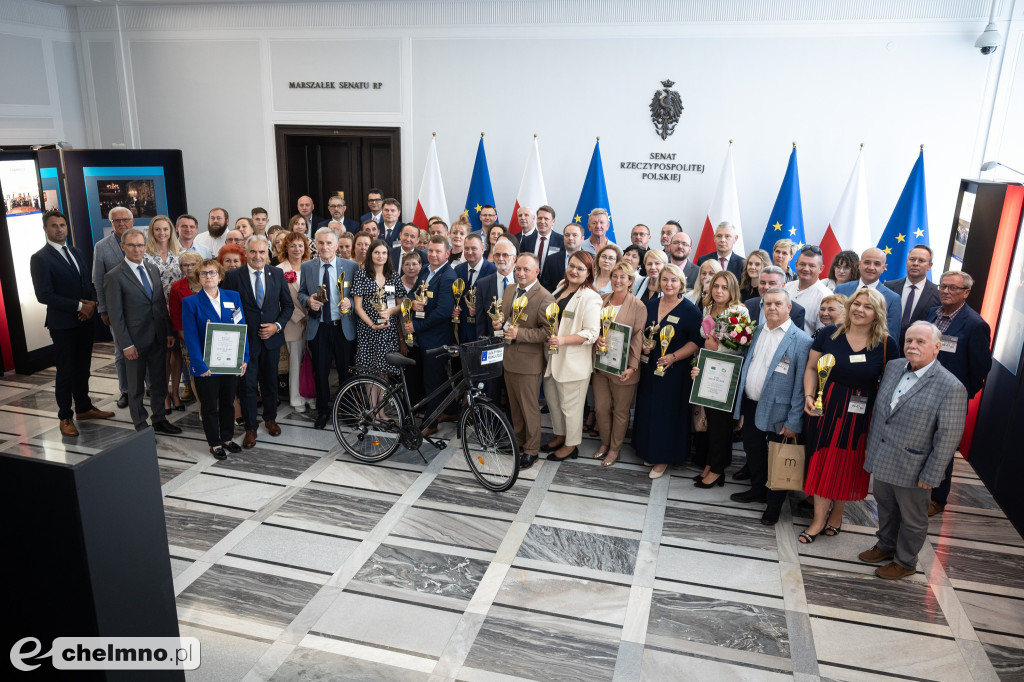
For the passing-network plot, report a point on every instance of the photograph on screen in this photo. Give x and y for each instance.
(140, 189)
(1010, 333)
(21, 189)
(963, 228)
(51, 190)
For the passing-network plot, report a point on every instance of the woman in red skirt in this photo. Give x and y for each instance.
(861, 346)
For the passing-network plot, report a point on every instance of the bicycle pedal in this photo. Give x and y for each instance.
(441, 444)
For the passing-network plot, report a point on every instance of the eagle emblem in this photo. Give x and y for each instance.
(666, 106)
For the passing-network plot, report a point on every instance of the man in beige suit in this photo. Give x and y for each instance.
(524, 357)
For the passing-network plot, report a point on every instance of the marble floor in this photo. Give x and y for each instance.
(292, 561)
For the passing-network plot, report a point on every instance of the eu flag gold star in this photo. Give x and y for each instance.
(478, 207)
(900, 238)
(888, 251)
(919, 233)
(792, 230)
(577, 219)
(777, 226)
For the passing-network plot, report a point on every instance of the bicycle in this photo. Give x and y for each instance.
(373, 416)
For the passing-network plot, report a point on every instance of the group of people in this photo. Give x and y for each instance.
(905, 355)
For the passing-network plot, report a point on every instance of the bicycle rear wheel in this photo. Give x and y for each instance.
(366, 424)
(490, 447)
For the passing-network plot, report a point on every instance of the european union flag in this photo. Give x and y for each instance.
(480, 192)
(594, 195)
(907, 226)
(786, 220)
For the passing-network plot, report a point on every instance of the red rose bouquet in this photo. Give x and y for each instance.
(734, 329)
(291, 276)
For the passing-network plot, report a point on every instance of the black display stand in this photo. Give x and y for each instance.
(86, 551)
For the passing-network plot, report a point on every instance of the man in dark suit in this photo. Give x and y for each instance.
(391, 226)
(62, 283)
(679, 255)
(336, 206)
(471, 272)
(375, 201)
(268, 306)
(966, 351)
(305, 206)
(142, 327)
(872, 265)
(725, 238)
(410, 236)
(553, 271)
(772, 277)
(330, 329)
(543, 241)
(434, 328)
(917, 295)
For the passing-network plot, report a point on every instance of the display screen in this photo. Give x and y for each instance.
(140, 189)
(963, 230)
(52, 199)
(1010, 333)
(19, 181)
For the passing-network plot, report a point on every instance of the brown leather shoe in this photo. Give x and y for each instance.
(429, 432)
(893, 571)
(272, 428)
(68, 428)
(876, 555)
(935, 508)
(94, 414)
(250, 438)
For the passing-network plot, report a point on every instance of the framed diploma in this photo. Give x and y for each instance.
(224, 351)
(715, 386)
(616, 357)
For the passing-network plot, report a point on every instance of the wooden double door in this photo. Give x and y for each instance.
(321, 161)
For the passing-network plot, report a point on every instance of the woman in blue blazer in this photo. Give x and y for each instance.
(216, 391)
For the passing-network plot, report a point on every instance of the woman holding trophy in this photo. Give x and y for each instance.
(614, 388)
(376, 293)
(840, 383)
(574, 321)
(661, 432)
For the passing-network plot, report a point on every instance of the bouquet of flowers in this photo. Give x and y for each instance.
(734, 329)
(290, 276)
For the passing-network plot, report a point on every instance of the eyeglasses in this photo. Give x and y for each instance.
(209, 273)
(811, 249)
(951, 287)
(123, 220)
(374, 201)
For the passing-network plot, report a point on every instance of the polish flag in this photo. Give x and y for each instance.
(431, 199)
(531, 190)
(850, 227)
(725, 206)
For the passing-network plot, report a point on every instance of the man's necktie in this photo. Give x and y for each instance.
(67, 254)
(909, 308)
(542, 250)
(472, 277)
(520, 292)
(259, 289)
(723, 261)
(327, 285)
(145, 282)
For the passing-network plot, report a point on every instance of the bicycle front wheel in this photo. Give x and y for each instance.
(367, 419)
(489, 445)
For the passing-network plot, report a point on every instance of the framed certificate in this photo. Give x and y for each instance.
(715, 386)
(615, 359)
(224, 351)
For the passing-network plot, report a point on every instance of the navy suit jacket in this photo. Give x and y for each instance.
(927, 298)
(555, 241)
(435, 329)
(735, 265)
(486, 292)
(369, 216)
(60, 287)
(396, 258)
(277, 302)
(554, 270)
(468, 331)
(396, 232)
(196, 311)
(893, 305)
(797, 314)
(972, 360)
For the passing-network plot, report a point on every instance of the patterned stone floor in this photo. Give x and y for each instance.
(292, 561)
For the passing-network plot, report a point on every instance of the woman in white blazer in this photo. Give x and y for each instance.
(568, 371)
(293, 252)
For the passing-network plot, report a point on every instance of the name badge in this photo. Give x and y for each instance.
(672, 319)
(524, 318)
(569, 314)
(499, 333)
(783, 366)
(391, 302)
(388, 288)
(229, 305)
(430, 294)
(346, 284)
(858, 358)
(236, 316)
(948, 344)
(644, 359)
(858, 404)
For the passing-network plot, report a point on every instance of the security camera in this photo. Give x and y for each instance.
(990, 40)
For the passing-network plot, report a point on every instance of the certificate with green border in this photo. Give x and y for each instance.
(224, 351)
(616, 358)
(715, 386)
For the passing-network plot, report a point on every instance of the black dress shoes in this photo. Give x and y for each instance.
(770, 516)
(743, 474)
(526, 461)
(218, 452)
(699, 483)
(748, 496)
(232, 446)
(549, 447)
(167, 427)
(321, 421)
(122, 402)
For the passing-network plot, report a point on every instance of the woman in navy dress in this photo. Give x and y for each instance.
(661, 433)
(861, 346)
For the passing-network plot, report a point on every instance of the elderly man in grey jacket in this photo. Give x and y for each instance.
(107, 255)
(915, 429)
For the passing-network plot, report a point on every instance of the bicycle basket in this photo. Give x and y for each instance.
(481, 359)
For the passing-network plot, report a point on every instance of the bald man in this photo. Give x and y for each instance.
(872, 265)
(313, 222)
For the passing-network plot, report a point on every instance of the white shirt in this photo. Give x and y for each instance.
(907, 381)
(764, 350)
(501, 283)
(252, 279)
(810, 299)
(473, 273)
(215, 300)
(525, 289)
(906, 293)
(210, 243)
(873, 285)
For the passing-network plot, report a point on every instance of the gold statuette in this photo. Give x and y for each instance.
(607, 317)
(518, 306)
(407, 317)
(421, 296)
(667, 332)
(471, 302)
(379, 305)
(551, 315)
(649, 333)
(825, 364)
(494, 312)
(341, 291)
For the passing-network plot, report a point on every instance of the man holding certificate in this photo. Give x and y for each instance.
(772, 404)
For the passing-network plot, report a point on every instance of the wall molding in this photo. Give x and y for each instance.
(38, 14)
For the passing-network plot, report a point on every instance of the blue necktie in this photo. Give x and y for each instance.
(145, 282)
(327, 285)
(259, 289)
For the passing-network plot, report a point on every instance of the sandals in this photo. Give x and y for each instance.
(806, 538)
(832, 531)
(600, 455)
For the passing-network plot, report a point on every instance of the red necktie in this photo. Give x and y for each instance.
(722, 261)
(542, 251)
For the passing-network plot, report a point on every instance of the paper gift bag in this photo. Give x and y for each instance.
(785, 465)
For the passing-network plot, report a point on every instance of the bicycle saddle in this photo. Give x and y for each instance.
(399, 360)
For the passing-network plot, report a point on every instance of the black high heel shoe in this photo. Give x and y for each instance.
(720, 482)
(572, 455)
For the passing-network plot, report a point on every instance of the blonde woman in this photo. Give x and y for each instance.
(606, 258)
(292, 253)
(646, 288)
(162, 250)
(698, 296)
(861, 346)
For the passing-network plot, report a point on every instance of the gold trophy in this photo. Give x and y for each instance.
(379, 305)
(421, 296)
(471, 302)
(494, 312)
(825, 364)
(649, 339)
(341, 291)
(518, 306)
(667, 332)
(407, 317)
(322, 295)
(458, 286)
(607, 317)
(551, 315)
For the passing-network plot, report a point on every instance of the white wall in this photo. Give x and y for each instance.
(212, 81)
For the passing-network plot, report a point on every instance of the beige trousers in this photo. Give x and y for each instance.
(566, 400)
(612, 401)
